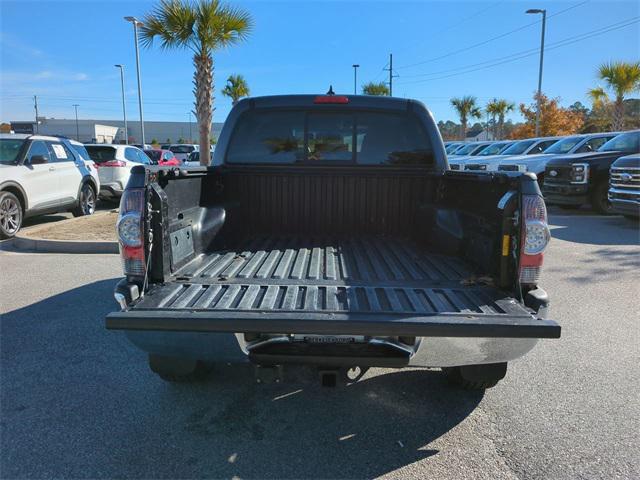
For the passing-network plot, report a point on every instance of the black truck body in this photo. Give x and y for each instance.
(312, 241)
(583, 179)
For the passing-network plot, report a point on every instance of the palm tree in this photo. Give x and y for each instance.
(621, 78)
(502, 107)
(379, 89)
(466, 107)
(236, 88)
(201, 27)
(492, 109)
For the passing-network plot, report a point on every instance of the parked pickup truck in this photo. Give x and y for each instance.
(331, 234)
(624, 186)
(574, 180)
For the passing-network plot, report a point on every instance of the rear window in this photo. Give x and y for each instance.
(80, 150)
(370, 138)
(154, 154)
(100, 154)
(182, 148)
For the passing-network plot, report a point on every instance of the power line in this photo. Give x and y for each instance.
(559, 44)
(520, 54)
(470, 17)
(470, 47)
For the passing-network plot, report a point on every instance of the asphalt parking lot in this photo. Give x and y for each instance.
(78, 401)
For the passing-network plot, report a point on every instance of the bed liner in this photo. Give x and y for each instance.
(383, 285)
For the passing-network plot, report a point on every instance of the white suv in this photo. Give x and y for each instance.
(40, 175)
(114, 164)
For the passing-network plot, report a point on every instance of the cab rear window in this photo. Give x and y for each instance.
(100, 154)
(360, 137)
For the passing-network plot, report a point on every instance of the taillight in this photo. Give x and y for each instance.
(114, 163)
(130, 228)
(331, 99)
(535, 238)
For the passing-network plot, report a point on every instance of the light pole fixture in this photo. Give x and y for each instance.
(136, 24)
(544, 23)
(75, 105)
(124, 104)
(355, 78)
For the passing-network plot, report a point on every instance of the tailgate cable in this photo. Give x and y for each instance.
(150, 212)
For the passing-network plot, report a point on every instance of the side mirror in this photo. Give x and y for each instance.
(38, 160)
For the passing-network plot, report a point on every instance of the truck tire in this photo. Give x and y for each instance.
(178, 370)
(476, 377)
(10, 215)
(86, 201)
(600, 199)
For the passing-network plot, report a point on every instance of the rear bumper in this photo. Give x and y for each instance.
(568, 194)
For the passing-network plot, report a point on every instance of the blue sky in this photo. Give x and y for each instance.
(64, 52)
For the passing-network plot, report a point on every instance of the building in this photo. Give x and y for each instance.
(112, 131)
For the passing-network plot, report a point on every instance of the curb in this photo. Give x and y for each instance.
(63, 246)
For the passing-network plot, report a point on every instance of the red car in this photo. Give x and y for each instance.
(162, 157)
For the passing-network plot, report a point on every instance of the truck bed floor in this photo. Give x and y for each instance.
(322, 275)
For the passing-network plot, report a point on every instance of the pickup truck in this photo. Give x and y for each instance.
(574, 180)
(330, 234)
(624, 186)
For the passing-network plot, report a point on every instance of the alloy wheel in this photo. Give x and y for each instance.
(88, 200)
(10, 215)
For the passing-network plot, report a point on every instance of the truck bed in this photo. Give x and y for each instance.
(379, 284)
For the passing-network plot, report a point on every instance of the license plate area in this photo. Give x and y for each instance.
(329, 339)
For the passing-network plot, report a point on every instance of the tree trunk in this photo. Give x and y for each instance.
(203, 91)
(463, 122)
(618, 115)
(501, 126)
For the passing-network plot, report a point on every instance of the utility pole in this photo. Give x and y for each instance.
(35, 105)
(355, 78)
(391, 75)
(544, 22)
(77, 129)
(137, 23)
(190, 138)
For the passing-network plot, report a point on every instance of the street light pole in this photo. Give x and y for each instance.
(136, 23)
(124, 104)
(544, 23)
(355, 78)
(77, 129)
(190, 137)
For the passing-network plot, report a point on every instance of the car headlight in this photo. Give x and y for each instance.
(579, 172)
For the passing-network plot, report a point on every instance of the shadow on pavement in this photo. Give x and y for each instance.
(595, 230)
(78, 401)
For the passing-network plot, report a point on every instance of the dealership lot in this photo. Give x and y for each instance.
(79, 401)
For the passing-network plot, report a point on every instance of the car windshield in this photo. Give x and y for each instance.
(154, 155)
(100, 154)
(518, 147)
(194, 157)
(478, 149)
(9, 150)
(466, 150)
(625, 142)
(564, 146)
(493, 149)
(181, 148)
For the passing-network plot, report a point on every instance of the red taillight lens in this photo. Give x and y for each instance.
(130, 229)
(535, 238)
(114, 163)
(335, 99)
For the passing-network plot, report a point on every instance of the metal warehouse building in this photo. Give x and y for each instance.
(112, 131)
